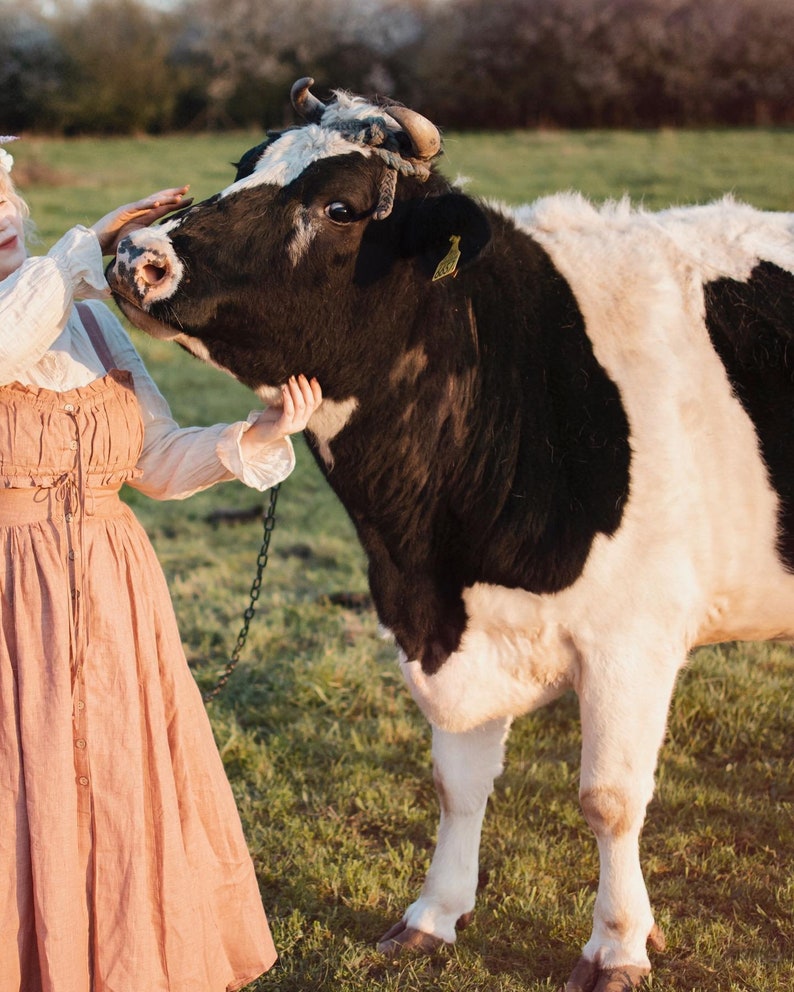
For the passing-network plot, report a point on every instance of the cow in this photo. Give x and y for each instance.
(564, 433)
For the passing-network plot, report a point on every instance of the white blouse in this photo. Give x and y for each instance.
(43, 343)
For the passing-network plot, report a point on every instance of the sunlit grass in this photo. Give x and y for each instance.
(327, 754)
(655, 168)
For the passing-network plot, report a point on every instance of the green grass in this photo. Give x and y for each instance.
(656, 168)
(328, 756)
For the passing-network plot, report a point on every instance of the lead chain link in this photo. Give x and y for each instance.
(256, 586)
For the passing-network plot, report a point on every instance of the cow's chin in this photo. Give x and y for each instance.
(144, 321)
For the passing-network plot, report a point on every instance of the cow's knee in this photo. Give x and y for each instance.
(611, 811)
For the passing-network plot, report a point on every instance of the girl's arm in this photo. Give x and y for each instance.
(179, 461)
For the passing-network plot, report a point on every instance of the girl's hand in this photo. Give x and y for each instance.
(122, 221)
(300, 398)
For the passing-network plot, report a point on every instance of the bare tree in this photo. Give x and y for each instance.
(31, 67)
(165, 64)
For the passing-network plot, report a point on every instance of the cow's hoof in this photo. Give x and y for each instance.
(587, 976)
(401, 937)
(404, 938)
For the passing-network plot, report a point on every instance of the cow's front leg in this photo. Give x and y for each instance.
(624, 713)
(464, 768)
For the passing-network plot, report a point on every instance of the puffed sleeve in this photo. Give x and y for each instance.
(179, 461)
(36, 299)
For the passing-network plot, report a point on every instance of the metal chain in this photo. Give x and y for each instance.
(269, 521)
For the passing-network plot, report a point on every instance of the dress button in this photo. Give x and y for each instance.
(73, 445)
(69, 517)
(80, 704)
(80, 743)
(83, 780)
(72, 555)
(69, 407)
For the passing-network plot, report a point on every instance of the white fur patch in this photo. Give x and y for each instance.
(516, 651)
(327, 422)
(303, 233)
(270, 395)
(286, 158)
(292, 153)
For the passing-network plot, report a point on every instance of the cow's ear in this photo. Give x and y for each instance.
(247, 163)
(446, 233)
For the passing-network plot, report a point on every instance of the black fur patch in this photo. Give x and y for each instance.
(751, 325)
(498, 460)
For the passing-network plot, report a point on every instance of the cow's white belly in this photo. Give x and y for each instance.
(514, 656)
(633, 603)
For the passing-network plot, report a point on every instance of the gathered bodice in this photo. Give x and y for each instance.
(92, 435)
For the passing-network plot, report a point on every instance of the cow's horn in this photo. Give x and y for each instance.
(305, 102)
(423, 133)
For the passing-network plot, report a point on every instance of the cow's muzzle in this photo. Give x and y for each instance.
(147, 269)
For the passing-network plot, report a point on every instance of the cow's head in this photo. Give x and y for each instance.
(318, 253)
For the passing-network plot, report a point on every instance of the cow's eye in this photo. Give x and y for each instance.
(339, 212)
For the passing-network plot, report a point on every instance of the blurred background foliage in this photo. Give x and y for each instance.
(71, 67)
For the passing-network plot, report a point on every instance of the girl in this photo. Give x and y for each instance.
(123, 860)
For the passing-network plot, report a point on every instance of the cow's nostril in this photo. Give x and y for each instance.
(152, 274)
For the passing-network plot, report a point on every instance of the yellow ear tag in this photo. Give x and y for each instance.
(448, 264)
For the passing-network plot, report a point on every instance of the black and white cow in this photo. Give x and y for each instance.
(565, 436)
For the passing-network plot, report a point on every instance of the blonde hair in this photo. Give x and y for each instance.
(8, 191)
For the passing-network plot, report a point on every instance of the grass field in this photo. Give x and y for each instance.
(329, 758)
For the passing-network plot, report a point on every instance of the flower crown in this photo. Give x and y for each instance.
(6, 159)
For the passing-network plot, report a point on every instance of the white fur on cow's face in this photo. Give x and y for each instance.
(303, 232)
(286, 158)
(294, 151)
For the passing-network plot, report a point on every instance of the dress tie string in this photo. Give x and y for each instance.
(71, 490)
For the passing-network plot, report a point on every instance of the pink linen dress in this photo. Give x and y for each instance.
(122, 856)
